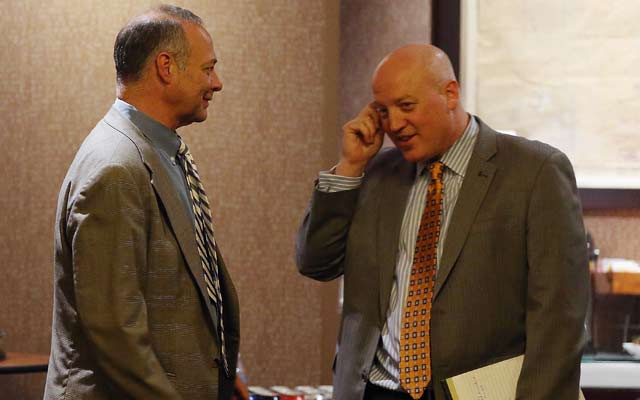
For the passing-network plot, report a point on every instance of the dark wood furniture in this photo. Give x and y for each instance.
(20, 363)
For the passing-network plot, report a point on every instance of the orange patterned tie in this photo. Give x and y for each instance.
(415, 351)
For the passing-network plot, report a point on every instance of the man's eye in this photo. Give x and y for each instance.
(407, 106)
(382, 112)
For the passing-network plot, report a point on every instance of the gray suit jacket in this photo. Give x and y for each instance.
(131, 317)
(513, 277)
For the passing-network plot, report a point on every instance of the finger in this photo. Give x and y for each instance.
(376, 120)
(367, 130)
(370, 131)
(351, 128)
(356, 128)
(375, 114)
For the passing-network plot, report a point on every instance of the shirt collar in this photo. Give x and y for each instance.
(162, 138)
(457, 157)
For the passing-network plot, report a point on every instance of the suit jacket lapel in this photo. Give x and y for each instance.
(394, 188)
(476, 182)
(179, 220)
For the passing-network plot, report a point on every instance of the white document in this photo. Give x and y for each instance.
(494, 382)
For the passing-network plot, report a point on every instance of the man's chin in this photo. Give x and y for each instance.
(410, 155)
(201, 116)
(418, 153)
(187, 120)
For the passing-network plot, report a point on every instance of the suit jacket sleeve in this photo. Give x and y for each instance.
(322, 238)
(558, 282)
(106, 227)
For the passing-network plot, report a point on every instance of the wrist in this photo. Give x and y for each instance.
(345, 168)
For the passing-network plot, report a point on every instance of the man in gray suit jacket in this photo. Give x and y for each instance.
(132, 317)
(511, 263)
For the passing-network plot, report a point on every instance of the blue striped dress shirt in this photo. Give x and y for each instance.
(385, 371)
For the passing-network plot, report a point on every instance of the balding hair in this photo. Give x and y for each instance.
(157, 30)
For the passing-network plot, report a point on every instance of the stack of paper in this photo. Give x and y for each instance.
(494, 382)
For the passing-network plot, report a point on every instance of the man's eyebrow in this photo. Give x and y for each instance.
(404, 98)
(213, 61)
(375, 104)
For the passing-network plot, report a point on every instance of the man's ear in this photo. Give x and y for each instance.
(452, 92)
(165, 67)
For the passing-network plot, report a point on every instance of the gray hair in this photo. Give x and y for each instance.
(159, 29)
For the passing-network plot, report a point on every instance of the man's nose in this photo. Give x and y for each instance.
(216, 83)
(396, 121)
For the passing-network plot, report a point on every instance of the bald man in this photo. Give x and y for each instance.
(459, 247)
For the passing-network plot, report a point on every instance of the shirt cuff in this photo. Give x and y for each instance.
(328, 182)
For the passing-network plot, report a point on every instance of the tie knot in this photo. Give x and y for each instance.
(435, 169)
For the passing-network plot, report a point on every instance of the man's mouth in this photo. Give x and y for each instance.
(404, 138)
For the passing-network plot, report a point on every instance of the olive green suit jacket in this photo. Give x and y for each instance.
(131, 317)
(513, 277)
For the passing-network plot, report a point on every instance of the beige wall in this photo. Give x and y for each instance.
(616, 231)
(258, 153)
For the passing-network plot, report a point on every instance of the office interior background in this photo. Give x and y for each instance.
(293, 72)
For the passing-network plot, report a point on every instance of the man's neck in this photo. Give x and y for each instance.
(149, 104)
(461, 122)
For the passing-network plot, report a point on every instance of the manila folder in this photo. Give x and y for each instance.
(494, 382)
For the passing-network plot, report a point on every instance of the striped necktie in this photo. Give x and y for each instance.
(207, 248)
(415, 346)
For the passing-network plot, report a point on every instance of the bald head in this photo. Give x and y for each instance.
(422, 61)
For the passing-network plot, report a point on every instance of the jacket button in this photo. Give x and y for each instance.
(365, 375)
